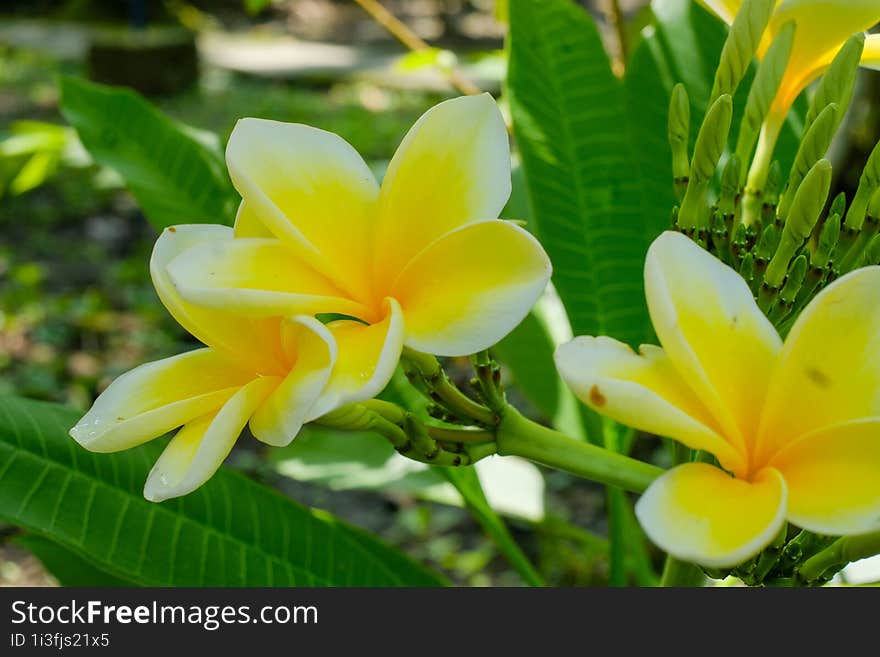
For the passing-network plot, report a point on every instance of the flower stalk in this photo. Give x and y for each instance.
(519, 436)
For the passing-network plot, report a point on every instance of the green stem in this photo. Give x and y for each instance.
(518, 436)
(681, 573)
(460, 435)
(760, 169)
(843, 551)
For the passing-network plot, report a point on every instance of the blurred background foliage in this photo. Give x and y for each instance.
(77, 307)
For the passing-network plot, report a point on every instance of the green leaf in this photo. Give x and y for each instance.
(528, 352)
(171, 169)
(230, 532)
(69, 568)
(582, 172)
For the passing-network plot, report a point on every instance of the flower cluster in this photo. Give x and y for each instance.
(306, 304)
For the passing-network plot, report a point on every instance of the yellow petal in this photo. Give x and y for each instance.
(871, 53)
(823, 27)
(313, 352)
(471, 287)
(698, 513)
(154, 398)
(199, 449)
(642, 391)
(725, 9)
(248, 224)
(833, 478)
(365, 361)
(452, 168)
(711, 328)
(311, 189)
(255, 277)
(255, 343)
(829, 369)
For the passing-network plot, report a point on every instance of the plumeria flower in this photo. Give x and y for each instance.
(822, 27)
(420, 261)
(794, 425)
(274, 374)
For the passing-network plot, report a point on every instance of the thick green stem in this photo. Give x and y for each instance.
(760, 169)
(843, 551)
(681, 573)
(518, 436)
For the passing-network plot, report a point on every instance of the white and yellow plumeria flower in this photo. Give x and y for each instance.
(274, 374)
(421, 261)
(795, 426)
(822, 27)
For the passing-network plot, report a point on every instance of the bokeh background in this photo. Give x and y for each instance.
(76, 304)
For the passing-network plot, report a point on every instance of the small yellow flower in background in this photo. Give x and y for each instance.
(423, 255)
(422, 261)
(795, 426)
(822, 27)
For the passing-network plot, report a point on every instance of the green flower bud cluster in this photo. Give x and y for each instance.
(782, 562)
(779, 232)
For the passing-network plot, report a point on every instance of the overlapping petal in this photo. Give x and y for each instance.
(823, 26)
(871, 53)
(366, 359)
(713, 331)
(471, 287)
(452, 168)
(829, 369)
(255, 277)
(643, 391)
(724, 9)
(698, 513)
(312, 190)
(833, 478)
(199, 448)
(157, 397)
(254, 343)
(313, 354)
(248, 224)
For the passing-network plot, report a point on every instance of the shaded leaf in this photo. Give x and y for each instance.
(230, 532)
(173, 172)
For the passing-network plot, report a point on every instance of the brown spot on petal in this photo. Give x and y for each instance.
(596, 396)
(172, 229)
(818, 377)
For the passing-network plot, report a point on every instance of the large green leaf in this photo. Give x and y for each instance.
(176, 174)
(69, 568)
(582, 174)
(230, 532)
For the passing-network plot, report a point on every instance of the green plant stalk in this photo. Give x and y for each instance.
(838, 554)
(518, 436)
(626, 544)
(759, 170)
(677, 573)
